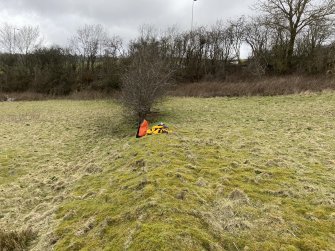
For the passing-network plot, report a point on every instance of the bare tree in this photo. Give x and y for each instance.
(312, 47)
(238, 30)
(23, 39)
(113, 47)
(258, 37)
(146, 80)
(88, 43)
(222, 38)
(293, 16)
(28, 39)
(317, 34)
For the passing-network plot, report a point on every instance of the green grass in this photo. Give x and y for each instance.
(235, 174)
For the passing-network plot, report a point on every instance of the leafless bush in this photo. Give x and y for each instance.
(146, 80)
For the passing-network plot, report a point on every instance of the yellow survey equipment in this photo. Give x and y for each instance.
(158, 129)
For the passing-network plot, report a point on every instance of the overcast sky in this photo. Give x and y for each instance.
(59, 19)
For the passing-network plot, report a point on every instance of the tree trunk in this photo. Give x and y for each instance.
(290, 52)
(141, 117)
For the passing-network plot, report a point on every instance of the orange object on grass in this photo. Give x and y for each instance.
(142, 129)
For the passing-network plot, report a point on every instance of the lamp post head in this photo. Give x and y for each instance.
(192, 13)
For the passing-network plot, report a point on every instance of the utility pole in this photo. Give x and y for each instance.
(192, 14)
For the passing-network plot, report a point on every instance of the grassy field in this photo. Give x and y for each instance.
(236, 174)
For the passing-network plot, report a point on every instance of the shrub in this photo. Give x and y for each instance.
(145, 81)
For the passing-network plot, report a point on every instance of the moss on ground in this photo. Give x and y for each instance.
(235, 174)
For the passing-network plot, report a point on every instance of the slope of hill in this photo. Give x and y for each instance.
(236, 174)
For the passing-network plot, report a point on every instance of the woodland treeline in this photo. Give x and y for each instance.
(285, 37)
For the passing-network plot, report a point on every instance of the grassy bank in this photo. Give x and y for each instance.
(235, 174)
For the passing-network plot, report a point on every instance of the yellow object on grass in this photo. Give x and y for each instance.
(159, 129)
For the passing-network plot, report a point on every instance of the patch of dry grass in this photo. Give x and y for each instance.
(34, 96)
(267, 86)
(44, 150)
(15, 240)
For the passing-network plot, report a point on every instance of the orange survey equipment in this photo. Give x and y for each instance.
(142, 129)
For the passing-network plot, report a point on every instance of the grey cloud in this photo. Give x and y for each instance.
(59, 19)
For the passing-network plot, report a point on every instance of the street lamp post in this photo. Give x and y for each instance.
(192, 14)
(14, 40)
